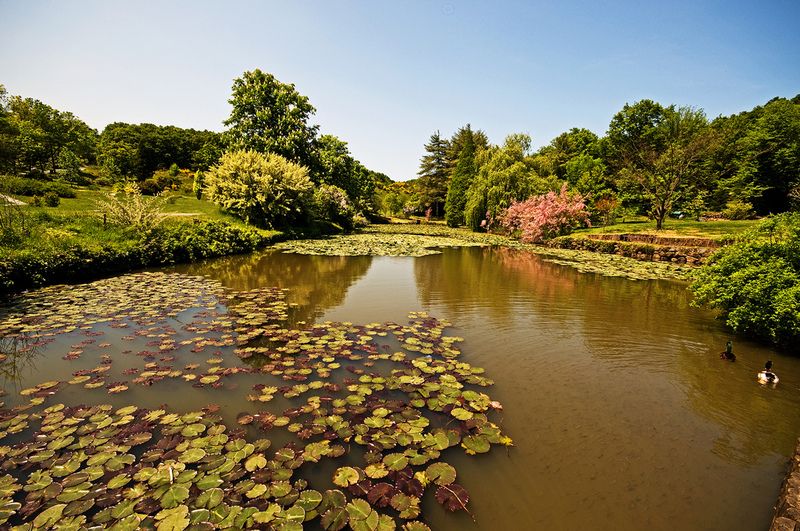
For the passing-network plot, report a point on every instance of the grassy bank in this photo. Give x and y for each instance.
(81, 248)
(676, 228)
(71, 242)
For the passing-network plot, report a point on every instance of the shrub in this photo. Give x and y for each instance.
(606, 208)
(13, 223)
(543, 217)
(266, 190)
(185, 242)
(738, 210)
(332, 204)
(51, 199)
(127, 207)
(755, 282)
(170, 243)
(37, 201)
(10, 184)
(160, 181)
(198, 184)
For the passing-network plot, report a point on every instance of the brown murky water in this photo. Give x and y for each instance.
(622, 413)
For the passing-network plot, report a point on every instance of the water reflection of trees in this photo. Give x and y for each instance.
(631, 324)
(479, 277)
(18, 354)
(315, 283)
(497, 279)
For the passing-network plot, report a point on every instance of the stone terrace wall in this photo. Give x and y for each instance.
(647, 252)
(658, 240)
(787, 511)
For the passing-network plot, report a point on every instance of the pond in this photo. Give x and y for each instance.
(621, 413)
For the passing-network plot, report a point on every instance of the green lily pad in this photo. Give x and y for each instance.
(441, 473)
(345, 476)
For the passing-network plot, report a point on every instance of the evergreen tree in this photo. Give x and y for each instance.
(433, 173)
(479, 141)
(462, 177)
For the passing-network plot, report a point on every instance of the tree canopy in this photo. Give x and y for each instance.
(271, 117)
(653, 160)
(138, 150)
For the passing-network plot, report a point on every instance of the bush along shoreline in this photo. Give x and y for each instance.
(166, 244)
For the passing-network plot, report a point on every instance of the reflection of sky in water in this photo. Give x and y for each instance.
(622, 413)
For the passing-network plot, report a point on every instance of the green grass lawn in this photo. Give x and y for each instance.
(175, 204)
(78, 220)
(676, 227)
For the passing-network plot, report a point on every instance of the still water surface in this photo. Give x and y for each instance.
(622, 414)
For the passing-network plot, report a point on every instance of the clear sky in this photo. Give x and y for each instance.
(385, 75)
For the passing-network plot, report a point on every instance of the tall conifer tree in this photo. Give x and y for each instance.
(433, 173)
(463, 175)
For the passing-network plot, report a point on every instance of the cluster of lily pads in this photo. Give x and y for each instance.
(371, 244)
(427, 239)
(385, 401)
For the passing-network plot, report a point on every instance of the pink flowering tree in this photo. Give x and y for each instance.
(543, 217)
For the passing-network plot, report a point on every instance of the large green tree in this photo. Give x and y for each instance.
(770, 157)
(554, 158)
(434, 173)
(659, 152)
(271, 117)
(505, 174)
(34, 135)
(463, 175)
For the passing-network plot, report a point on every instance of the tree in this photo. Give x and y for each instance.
(198, 184)
(458, 141)
(555, 157)
(659, 152)
(463, 176)
(543, 217)
(505, 174)
(434, 173)
(138, 150)
(43, 132)
(271, 117)
(770, 155)
(71, 164)
(264, 189)
(8, 135)
(337, 167)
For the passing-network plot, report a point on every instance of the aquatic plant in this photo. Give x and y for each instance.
(387, 402)
(368, 244)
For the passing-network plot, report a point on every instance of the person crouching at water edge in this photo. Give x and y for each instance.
(767, 376)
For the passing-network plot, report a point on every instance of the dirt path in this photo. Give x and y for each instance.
(11, 200)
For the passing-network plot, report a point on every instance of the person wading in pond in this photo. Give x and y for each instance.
(767, 376)
(728, 354)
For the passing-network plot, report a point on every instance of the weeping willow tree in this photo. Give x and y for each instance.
(505, 174)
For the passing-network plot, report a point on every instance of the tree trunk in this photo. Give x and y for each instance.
(660, 219)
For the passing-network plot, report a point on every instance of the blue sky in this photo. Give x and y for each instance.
(385, 75)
